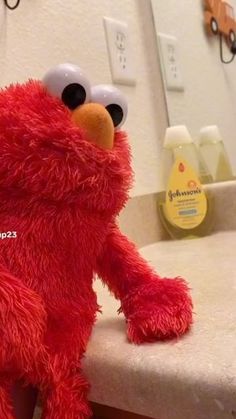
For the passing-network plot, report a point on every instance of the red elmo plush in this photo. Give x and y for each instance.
(64, 176)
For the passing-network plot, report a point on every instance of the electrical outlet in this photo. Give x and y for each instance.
(119, 49)
(170, 62)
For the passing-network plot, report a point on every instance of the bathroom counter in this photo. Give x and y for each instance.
(191, 378)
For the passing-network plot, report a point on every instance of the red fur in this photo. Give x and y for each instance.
(154, 308)
(6, 407)
(61, 194)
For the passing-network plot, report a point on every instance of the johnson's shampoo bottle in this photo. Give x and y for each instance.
(185, 208)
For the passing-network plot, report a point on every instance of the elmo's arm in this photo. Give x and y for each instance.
(155, 308)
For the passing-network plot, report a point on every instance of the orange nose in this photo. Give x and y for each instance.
(94, 119)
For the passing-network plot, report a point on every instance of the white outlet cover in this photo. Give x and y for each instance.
(120, 51)
(170, 61)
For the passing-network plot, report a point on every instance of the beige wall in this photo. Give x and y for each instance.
(210, 87)
(42, 33)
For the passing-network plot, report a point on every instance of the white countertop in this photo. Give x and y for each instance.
(192, 378)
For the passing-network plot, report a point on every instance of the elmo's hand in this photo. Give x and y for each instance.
(160, 309)
(155, 308)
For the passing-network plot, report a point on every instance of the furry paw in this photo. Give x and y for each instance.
(159, 310)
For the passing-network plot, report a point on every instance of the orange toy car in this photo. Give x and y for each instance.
(219, 18)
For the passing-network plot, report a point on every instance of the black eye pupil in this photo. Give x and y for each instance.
(116, 113)
(73, 95)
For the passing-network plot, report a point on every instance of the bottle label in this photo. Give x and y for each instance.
(186, 202)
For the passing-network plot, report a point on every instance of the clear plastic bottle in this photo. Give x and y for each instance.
(213, 152)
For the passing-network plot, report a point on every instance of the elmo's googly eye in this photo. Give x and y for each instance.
(113, 100)
(68, 82)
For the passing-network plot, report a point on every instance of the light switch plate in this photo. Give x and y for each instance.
(170, 60)
(120, 51)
